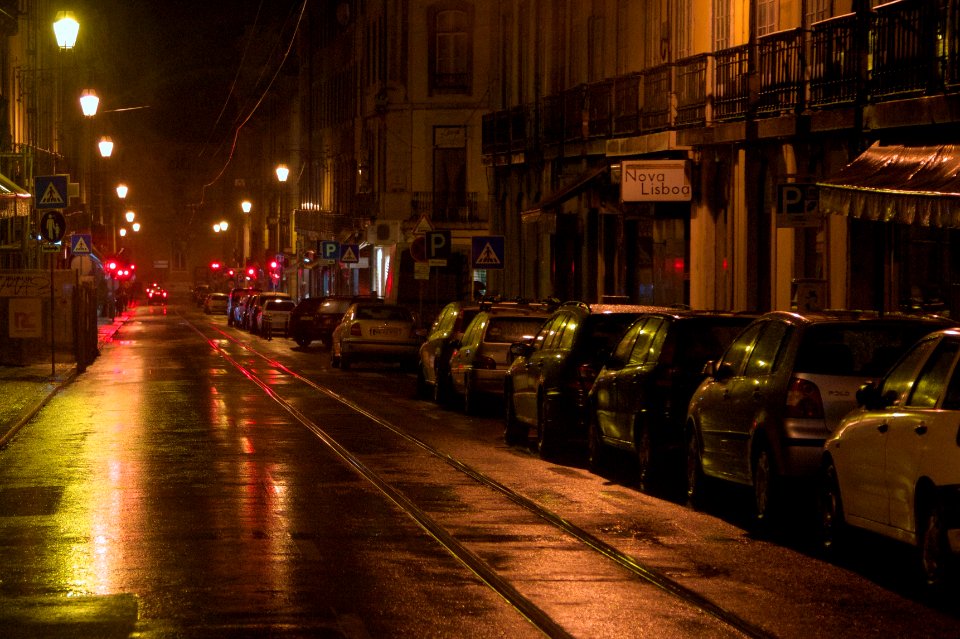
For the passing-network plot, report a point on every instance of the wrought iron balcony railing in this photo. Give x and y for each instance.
(449, 208)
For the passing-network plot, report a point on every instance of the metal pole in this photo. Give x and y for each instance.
(53, 349)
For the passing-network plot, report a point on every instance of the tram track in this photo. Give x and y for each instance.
(476, 564)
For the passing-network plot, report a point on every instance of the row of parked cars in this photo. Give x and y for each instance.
(861, 409)
(260, 312)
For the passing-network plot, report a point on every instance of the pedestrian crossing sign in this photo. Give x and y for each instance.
(487, 252)
(349, 253)
(81, 244)
(51, 191)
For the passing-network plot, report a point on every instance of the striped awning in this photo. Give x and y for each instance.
(910, 184)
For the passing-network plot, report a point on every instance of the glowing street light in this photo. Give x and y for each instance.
(136, 227)
(130, 215)
(66, 28)
(223, 225)
(122, 232)
(246, 206)
(106, 146)
(216, 227)
(282, 172)
(89, 102)
(122, 191)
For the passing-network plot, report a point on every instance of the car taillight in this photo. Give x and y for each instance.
(355, 330)
(484, 361)
(803, 400)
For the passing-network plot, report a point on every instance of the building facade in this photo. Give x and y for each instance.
(764, 102)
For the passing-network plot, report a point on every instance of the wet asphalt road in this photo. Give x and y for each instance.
(166, 494)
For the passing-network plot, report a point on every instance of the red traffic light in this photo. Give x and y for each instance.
(215, 265)
(274, 264)
(251, 271)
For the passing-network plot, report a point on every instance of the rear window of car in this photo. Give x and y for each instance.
(279, 305)
(384, 313)
(218, 296)
(335, 306)
(602, 331)
(507, 330)
(867, 349)
(697, 341)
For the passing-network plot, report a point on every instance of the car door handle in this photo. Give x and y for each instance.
(920, 429)
(884, 427)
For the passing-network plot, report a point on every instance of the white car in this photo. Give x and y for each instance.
(273, 316)
(215, 304)
(893, 465)
(374, 331)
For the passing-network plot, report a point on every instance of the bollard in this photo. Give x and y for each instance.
(267, 327)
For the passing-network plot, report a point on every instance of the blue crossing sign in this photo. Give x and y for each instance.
(81, 244)
(350, 253)
(487, 251)
(50, 191)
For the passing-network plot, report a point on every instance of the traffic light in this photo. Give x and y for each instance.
(215, 266)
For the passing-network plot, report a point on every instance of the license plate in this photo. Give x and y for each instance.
(391, 332)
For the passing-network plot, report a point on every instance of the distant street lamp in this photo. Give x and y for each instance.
(123, 232)
(122, 191)
(136, 227)
(246, 206)
(130, 215)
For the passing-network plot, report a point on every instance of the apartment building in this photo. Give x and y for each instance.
(749, 110)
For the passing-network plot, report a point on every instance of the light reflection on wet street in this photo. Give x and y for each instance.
(164, 477)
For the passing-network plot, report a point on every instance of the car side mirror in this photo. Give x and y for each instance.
(721, 373)
(519, 349)
(869, 397)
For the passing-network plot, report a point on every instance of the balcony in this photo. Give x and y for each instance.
(834, 62)
(801, 73)
(450, 210)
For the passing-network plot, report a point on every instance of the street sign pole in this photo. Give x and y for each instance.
(53, 339)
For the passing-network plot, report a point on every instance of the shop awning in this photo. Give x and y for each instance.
(563, 194)
(898, 183)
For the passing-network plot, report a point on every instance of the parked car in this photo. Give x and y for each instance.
(479, 361)
(200, 292)
(300, 327)
(156, 295)
(233, 303)
(781, 388)
(439, 344)
(893, 464)
(272, 315)
(317, 320)
(255, 306)
(375, 331)
(242, 309)
(546, 384)
(215, 303)
(639, 399)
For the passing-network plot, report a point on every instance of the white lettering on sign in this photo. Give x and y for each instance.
(655, 181)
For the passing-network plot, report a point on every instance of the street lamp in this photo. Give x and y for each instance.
(130, 215)
(106, 146)
(122, 191)
(66, 28)
(89, 102)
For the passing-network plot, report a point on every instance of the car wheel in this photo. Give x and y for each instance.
(932, 542)
(696, 480)
(644, 448)
(831, 510)
(515, 432)
(596, 450)
(546, 432)
(765, 485)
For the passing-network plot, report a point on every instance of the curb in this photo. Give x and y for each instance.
(32, 411)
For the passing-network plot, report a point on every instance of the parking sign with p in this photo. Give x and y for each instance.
(438, 247)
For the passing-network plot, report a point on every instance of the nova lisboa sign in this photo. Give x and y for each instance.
(655, 181)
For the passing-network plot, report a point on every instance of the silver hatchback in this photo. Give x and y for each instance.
(762, 415)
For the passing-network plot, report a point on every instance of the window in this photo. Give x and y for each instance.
(764, 353)
(740, 348)
(818, 10)
(451, 52)
(900, 380)
(932, 380)
(622, 350)
(766, 16)
(641, 348)
(721, 25)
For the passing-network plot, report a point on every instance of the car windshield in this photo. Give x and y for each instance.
(507, 330)
(383, 313)
(856, 349)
